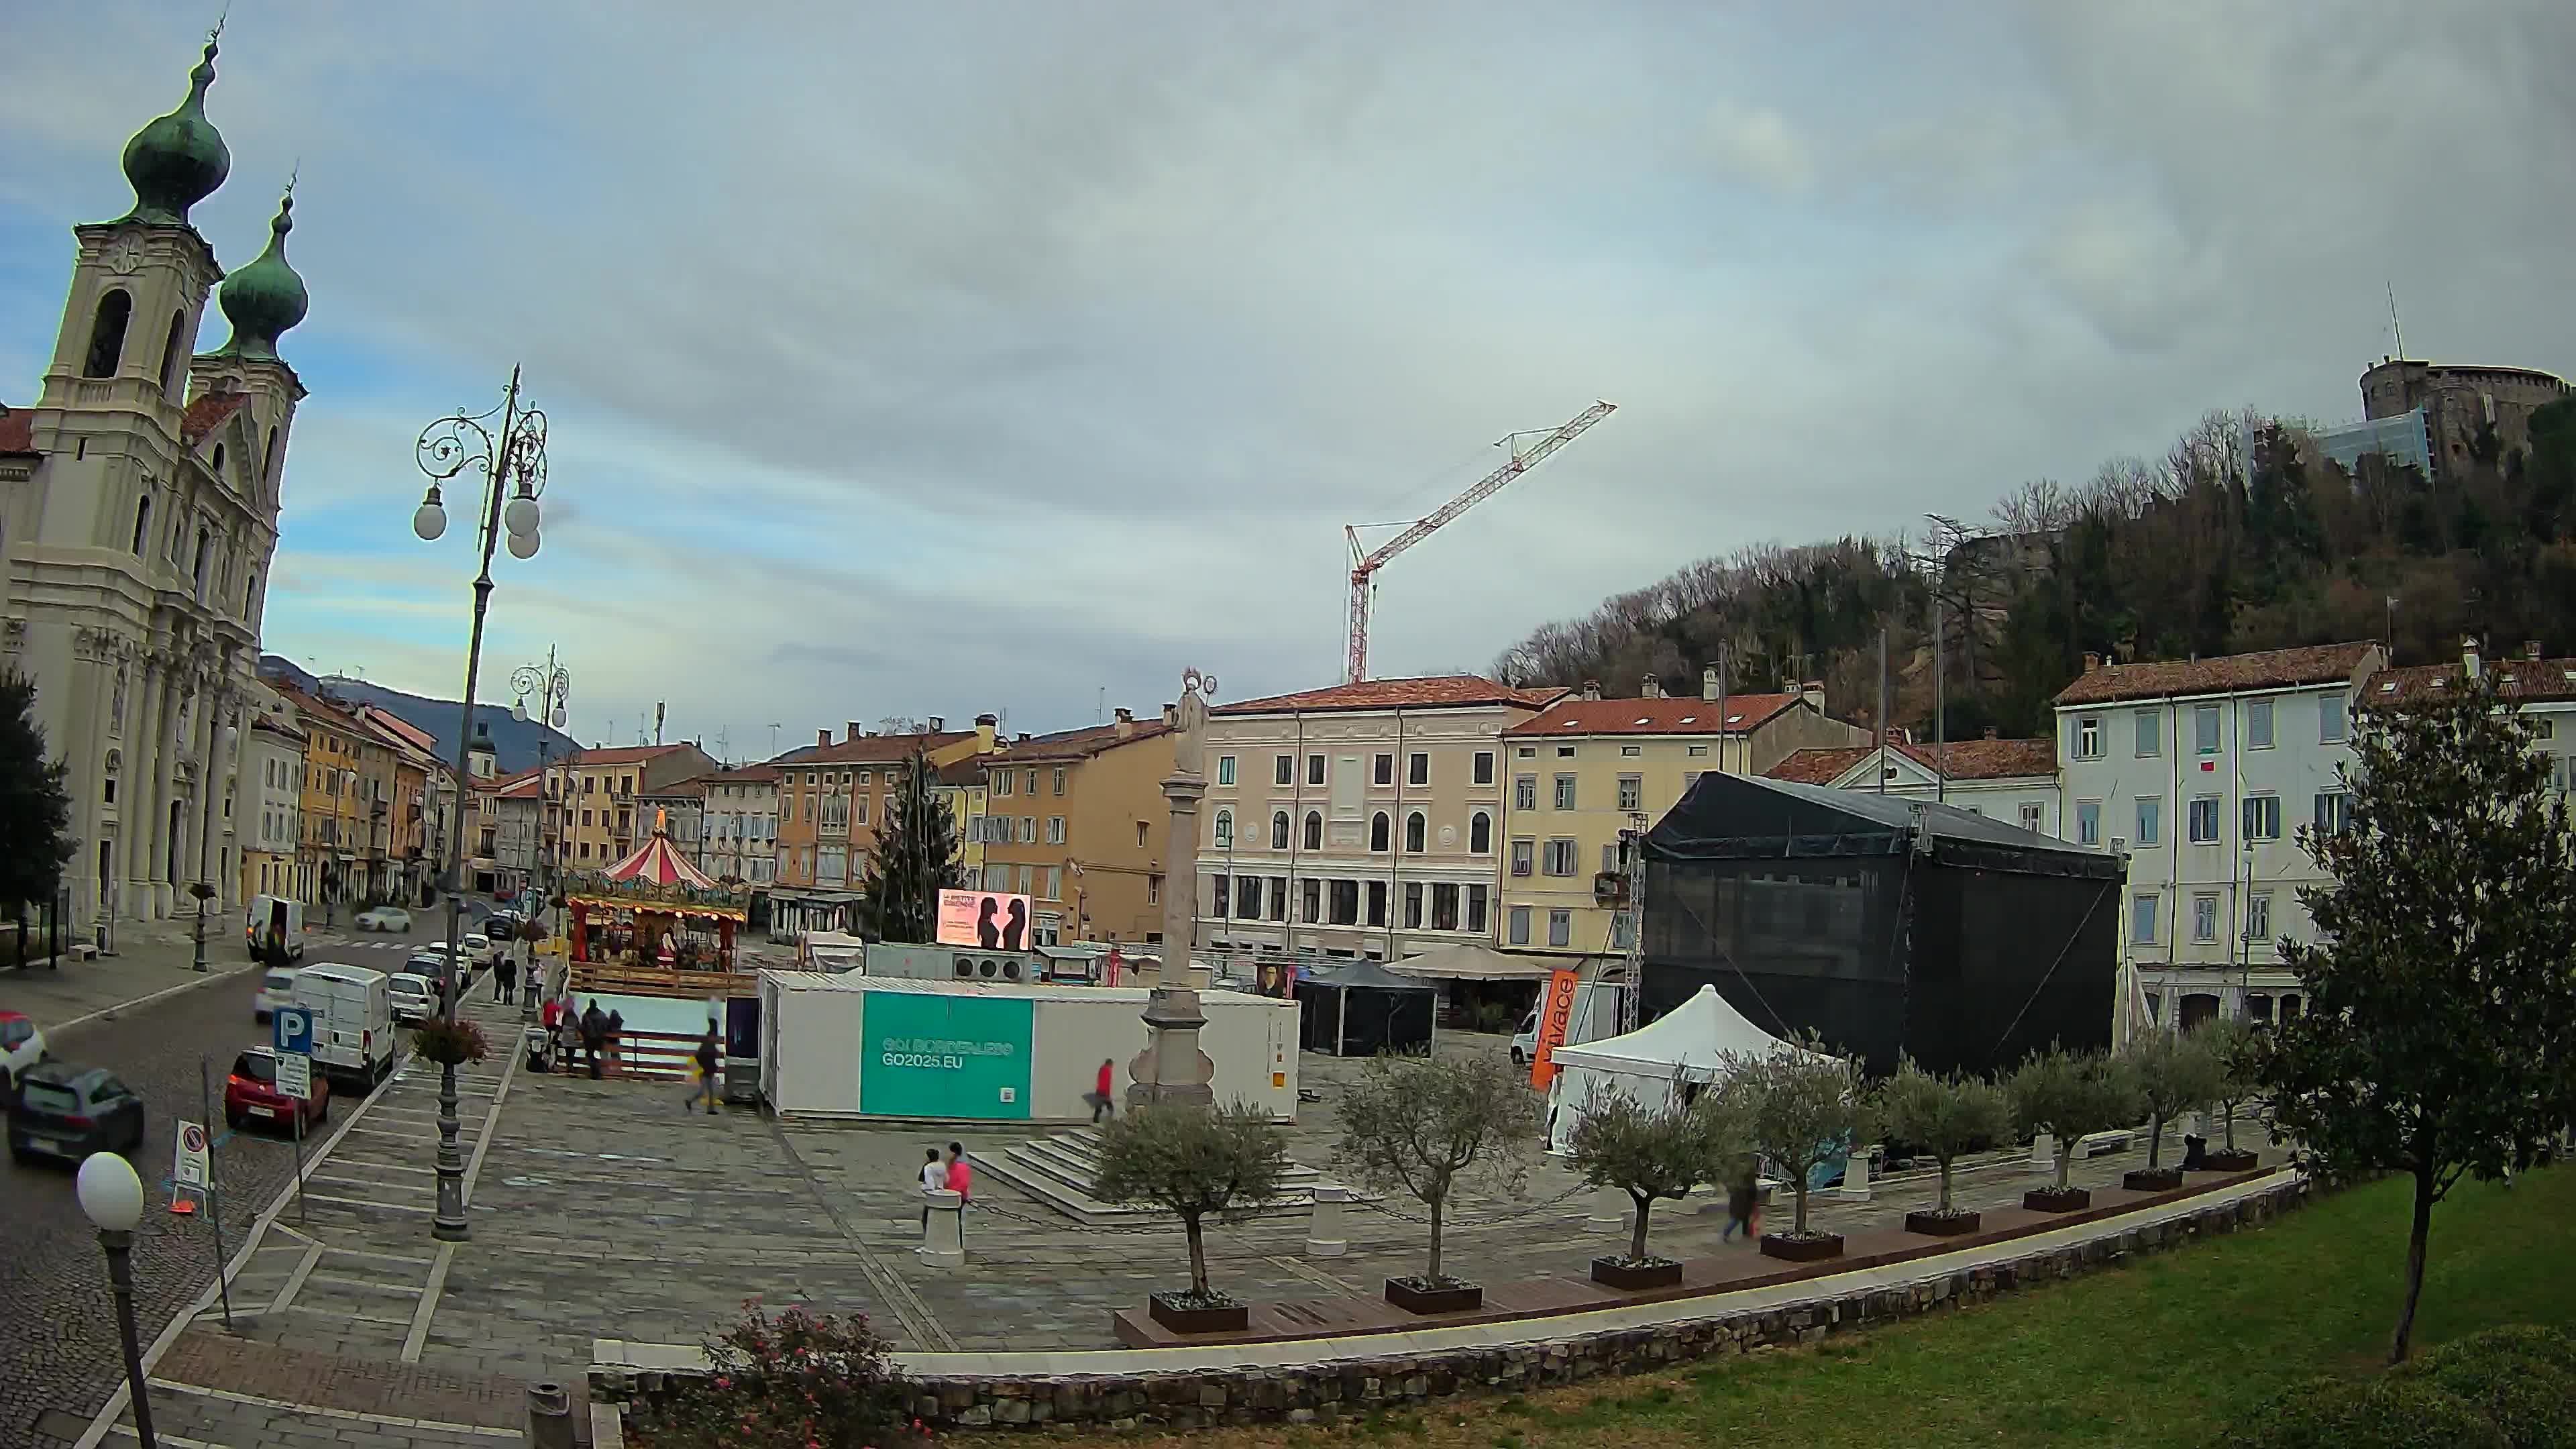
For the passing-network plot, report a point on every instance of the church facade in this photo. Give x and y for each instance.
(138, 518)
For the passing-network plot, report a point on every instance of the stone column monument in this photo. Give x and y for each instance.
(1172, 1069)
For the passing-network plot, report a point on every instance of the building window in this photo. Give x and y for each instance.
(1224, 829)
(1565, 792)
(2330, 723)
(1224, 896)
(1284, 770)
(1028, 830)
(1523, 853)
(1278, 830)
(2204, 820)
(1377, 903)
(2151, 819)
(1346, 903)
(2032, 817)
(2142, 919)
(2258, 724)
(2262, 817)
(1055, 829)
(1525, 792)
(1379, 832)
(1314, 769)
(1561, 857)
(1416, 831)
(2088, 822)
(1632, 793)
(1444, 906)
(1480, 833)
(1526, 752)
(1560, 928)
(1697, 751)
(2204, 918)
(1028, 880)
(1225, 769)
(1247, 897)
(1382, 769)
(1310, 901)
(1314, 830)
(1001, 782)
(1476, 909)
(1413, 905)
(2088, 737)
(1565, 752)
(1417, 768)
(1622, 930)
(1484, 767)
(2204, 729)
(997, 877)
(2151, 734)
(1518, 927)
(107, 333)
(2334, 812)
(1279, 898)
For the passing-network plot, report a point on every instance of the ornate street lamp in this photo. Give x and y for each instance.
(111, 1197)
(513, 466)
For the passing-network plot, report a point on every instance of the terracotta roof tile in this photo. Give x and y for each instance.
(1819, 767)
(1441, 691)
(17, 430)
(875, 749)
(1668, 716)
(2270, 669)
(966, 772)
(621, 754)
(1079, 744)
(208, 413)
(1967, 760)
(2530, 680)
(747, 775)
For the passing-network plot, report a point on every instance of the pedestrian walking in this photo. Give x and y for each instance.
(934, 1178)
(616, 1043)
(961, 1181)
(709, 1058)
(1102, 1104)
(1744, 1203)
(594, 1035)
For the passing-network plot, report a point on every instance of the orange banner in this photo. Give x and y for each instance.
(1551, 1028)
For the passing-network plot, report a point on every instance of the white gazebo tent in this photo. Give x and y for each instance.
(1684, 1045)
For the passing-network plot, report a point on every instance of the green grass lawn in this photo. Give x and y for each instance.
(2160, 1352)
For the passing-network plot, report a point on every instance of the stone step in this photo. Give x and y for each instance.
(1059, 1170)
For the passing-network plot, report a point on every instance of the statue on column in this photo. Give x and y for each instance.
(1172, 1070)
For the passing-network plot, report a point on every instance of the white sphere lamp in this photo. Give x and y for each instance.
(111, 1196)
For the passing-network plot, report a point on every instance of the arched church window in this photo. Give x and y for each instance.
(205, 551)
(142, 522)
(268, 459)
(107, 333)
(219, 460)
(170, 353)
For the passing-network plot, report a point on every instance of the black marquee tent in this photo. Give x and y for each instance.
(1888, 925)
(1361, 1009)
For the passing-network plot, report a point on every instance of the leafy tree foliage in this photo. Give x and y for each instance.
(916, 858)
(2071, 1095)
(1655, 1152)
(1947, 1117)
(1800, 1105)
(2236, 1049)
(2176, 1072)
(1425, 1125)
(1193, 1162)
(2441, 1009)
(35, 807)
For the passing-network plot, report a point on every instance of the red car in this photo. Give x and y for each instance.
(251, 1094)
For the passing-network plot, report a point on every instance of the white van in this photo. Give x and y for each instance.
(278, 916)
(1595, 1016)
(353, 1022)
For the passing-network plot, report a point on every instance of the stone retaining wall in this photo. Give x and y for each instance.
(1362, 1385)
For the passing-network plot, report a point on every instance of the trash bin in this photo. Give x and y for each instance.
(741, 1081)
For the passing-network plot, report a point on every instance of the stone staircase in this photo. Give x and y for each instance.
(1060, 1170)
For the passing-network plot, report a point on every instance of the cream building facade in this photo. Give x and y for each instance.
(138, 514)
(1362, 820)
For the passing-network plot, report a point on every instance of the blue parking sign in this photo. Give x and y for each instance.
(294, 1031)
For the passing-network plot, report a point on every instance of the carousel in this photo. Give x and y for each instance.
(654, 909)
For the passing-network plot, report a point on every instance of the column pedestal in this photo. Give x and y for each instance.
(1325, 1235)
(943, 1242)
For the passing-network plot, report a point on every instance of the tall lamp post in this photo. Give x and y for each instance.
(551, 683)
(111, 1197)
(513, 466)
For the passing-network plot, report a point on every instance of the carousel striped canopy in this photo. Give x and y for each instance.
(656, 863)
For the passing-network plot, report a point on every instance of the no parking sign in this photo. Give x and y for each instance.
(189, 1170)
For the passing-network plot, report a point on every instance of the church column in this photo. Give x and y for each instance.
(145, 815)
(89, 816)
(206, 738)
(169, 840)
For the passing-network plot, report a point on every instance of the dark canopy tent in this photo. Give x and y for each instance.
(1363, 1009)
(1888, 925)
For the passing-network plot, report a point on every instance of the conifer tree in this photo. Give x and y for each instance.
(35, 806)
(916, 858)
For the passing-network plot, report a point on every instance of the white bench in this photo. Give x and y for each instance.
(2100, 1143)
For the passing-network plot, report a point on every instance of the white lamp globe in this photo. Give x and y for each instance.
(431, 520)
(519, 710)
(523, 545)
(519, 515)
(110, 1194)
(560, 716)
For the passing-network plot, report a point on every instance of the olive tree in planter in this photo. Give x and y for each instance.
(1799, 1105)
(1651, 1153)
(2070, 1095)
(1946, 1117)
(2175, 1073)
(1194, 1163)
(1425, 1125)
(2237, 1051)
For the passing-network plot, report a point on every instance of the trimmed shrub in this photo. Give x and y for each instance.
(2522, 1377)
(2393, 1411)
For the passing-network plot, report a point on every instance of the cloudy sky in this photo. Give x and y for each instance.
(934, 359)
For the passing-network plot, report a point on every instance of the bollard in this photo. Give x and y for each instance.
(2043, 1152)
(1855, 1186)
(1325, 1236)
(1610, 1208)
(943, 1243)
(549, 1416)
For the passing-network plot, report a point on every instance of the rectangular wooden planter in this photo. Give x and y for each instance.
(2051, 1200)
(1802, 1250)
(2223, 1160)
(1617, 1273)
(1452, 1298)
(1217, 1318)
(1940, 1225)
(2152, 1179)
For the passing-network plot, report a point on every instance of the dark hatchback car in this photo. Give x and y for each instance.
(68, 1112)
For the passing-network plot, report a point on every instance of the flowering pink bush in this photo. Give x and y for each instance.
(820, 1380)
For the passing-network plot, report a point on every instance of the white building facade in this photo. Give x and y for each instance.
(1363, 820)
(271, 807)
(2014, 781)
(138, 514)
(2201, 772)
(739, 840)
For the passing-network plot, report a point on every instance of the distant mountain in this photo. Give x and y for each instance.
(514, 742)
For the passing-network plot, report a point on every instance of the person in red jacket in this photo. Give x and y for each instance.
(1102, 1103)
(961, 1181)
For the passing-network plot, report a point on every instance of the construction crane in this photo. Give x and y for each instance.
(1364, 565)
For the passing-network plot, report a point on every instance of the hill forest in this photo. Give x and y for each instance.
(2240, 537)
